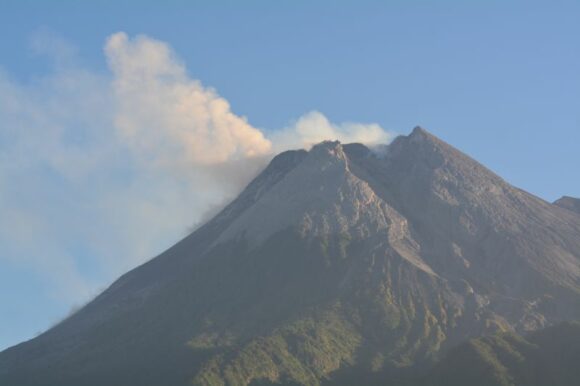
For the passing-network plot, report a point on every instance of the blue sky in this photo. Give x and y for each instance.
(83, 196)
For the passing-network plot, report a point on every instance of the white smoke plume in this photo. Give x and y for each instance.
(314, 127)
(169, 118)
(106, 170)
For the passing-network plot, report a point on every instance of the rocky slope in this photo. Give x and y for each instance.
(569, 203)
(332, 264)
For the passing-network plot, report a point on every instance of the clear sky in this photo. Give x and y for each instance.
(104, 156)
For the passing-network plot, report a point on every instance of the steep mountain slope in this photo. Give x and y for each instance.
(331, 264)
(569, 203)
(547, 357)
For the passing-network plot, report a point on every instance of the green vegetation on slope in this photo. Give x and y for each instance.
(302, 352)
(547, 357)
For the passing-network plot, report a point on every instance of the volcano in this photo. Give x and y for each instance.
(333, 264)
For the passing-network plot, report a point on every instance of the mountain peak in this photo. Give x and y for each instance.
(316, 193)
(421, 134)
(327, 144)
(419, 131)
(421, 150)
(570, 203)
(327, 148)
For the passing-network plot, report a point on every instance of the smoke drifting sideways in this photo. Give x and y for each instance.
(169, 120)
(107, 170)
(172, 122)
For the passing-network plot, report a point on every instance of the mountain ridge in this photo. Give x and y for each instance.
(570, 203)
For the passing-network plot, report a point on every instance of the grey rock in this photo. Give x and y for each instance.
(569, 203)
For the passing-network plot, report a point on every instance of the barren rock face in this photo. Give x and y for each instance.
(332, 261)
(569, 203)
